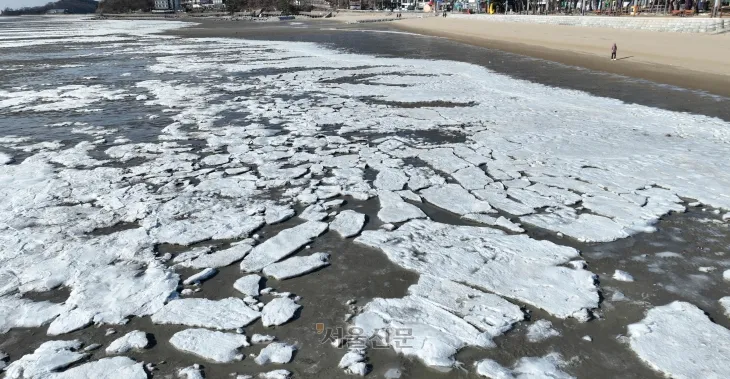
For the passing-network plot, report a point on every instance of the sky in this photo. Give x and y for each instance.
(22, 3)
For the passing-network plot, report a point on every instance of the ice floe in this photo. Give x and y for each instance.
(201, 276)
(275, 352)
(209, 344)
(541, 330)
(134, 340)
(278, 311)
(623, 276)
(22, 313)
(230, 313)
(297, 266)
(514, 266)
(680, 341)
(105, 368)
(282, 245)
(455, 199)
(525, 368)
(725, 303)
(49, 357)
(249, 285)
(394, 209)
(348, 223)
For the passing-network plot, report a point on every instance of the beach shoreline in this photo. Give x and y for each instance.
(644, 55)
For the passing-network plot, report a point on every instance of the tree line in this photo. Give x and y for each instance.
(71, 6)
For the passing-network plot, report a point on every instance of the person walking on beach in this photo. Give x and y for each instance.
(613, 51)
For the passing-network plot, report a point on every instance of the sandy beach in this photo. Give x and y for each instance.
(686, 60)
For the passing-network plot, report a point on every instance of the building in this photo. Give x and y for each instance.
(56, 11)
(167, 5)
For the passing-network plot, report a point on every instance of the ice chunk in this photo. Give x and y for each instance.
(680, 341)
(348, 223)
(541, 330)
(390, 179)
(455, 199)
(135, 339)
(260, 338)
(726, 275)
(409, 195)
(514, 266)
(21, 313)
(5, 159)
(248, 285)
(297, 266)
(472, 178)
(443, 159)
(278, 311)
(500, 201)
(191, 372)
(350, 358)
(48, 357)
(201, 276)
(394, 209)
(282, 245)
(725, 303)
(212, 345)
(584, 227)
(623, 276)
(392, 373)
(106, 368)
(525, 368)
(359, 368)
(499, 221)
(230, 313)
(275, 352)
(314, 212)
(220, 258)
(278, 213)
(276, 374)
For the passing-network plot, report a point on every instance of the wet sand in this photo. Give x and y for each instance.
(686, 60)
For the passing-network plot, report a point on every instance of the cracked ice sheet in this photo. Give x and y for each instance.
(443, 316)
(297, 266)
(282, 245)
(681, 342)
(230, 313)
(212, 345)
(525, 368)
(514, 266)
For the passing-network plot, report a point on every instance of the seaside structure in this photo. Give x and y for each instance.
(56, 11)
(167, 5)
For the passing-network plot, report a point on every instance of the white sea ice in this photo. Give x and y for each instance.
(5, 159)
(350, 358)
(541, 330)
(394, 209)
(726, 275)
(443, 159)
(442, 317)
(260, 338)
(230, 313)
(623, 276)
(525, 368)
(201, 276)
(190, 372)
(472, 178)
(390, 179)
(220, 258)
(278, 311)
(16, 312)
(680, 341)
(297, 266)
(275, 352)
(49, 357)
(514, 266)
(454, 198)
(249, 285)
(359, 368)
(105, 368)
(278, 213)
(212, 345)
(348, 223)
(282, 245)
(276, 374)
(134, 340)
(725, 303)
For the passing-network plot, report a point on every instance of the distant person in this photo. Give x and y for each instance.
(613, 51)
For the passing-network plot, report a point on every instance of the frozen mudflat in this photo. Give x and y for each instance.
(167, 198)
